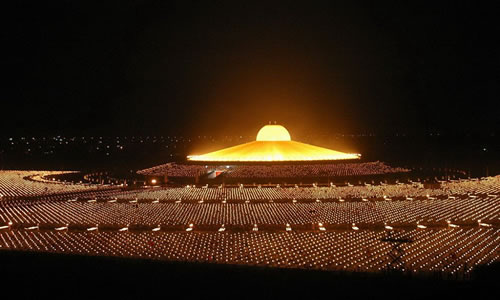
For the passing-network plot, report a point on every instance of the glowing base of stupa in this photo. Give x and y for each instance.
(273, 151)
(273, 144)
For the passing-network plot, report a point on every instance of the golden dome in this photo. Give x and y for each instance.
(273, 133)
(273, 144)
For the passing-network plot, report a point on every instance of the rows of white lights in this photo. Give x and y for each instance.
(283, 171)
(447, 251)
(451, 229)
(396, 213)
(34, 183)
(490, 186)
(18, 184)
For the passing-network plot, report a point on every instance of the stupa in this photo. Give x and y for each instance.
(273, 143)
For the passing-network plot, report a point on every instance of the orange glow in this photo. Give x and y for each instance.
(273, 144)
(273, 133)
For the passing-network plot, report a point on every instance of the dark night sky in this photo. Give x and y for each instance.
(159, 67)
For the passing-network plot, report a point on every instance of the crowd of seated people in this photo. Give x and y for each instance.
(467, 210)
(313, 170)
(277, 171)
(337, 228)
(174, 170)
(16, 184)
(367, 191)
(450, 253)
(485, 185)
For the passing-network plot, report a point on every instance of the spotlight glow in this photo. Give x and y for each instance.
(273, 143)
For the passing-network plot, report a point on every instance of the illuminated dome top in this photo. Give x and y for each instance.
(273, 144)
(273, 133)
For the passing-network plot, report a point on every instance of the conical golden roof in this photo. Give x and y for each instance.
(273, 144)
